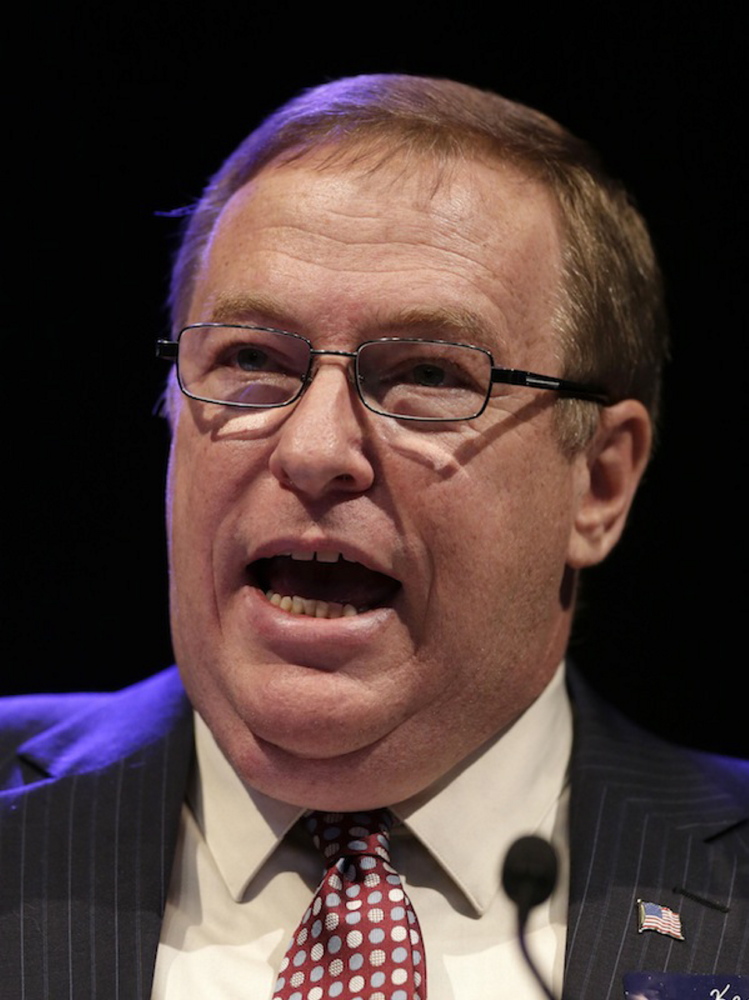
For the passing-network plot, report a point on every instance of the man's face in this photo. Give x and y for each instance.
(453, 537)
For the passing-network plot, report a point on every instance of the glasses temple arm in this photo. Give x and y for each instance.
(167, 350)
(577, 390)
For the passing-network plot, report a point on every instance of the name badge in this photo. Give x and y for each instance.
(682, 986)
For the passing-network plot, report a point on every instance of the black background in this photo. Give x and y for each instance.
(120, 113)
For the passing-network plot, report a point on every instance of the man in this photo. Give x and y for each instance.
(418, 337)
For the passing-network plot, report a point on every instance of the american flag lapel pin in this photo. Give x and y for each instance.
(654, 917)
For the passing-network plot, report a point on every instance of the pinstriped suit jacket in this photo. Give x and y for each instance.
(90, 811)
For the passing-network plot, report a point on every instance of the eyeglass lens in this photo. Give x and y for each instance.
(425, 380)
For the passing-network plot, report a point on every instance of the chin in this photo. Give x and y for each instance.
(345, 782)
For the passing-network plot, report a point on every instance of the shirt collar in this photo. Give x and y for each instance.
(467, 821)
(241, 826)
(508, 788)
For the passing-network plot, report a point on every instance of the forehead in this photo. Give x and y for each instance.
(346, 244)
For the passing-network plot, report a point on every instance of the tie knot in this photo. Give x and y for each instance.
(341, 835)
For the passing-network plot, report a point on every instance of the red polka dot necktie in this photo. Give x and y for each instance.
(359, 939)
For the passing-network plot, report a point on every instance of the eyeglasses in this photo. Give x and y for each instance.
(256, 367)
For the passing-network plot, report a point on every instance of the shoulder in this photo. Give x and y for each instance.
(78, 731)
(23, 716)
(608, 743)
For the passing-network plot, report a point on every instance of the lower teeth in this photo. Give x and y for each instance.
(311, 607)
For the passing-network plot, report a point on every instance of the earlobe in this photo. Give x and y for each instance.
(610, 470)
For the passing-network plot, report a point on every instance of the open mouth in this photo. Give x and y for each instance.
(321, 584)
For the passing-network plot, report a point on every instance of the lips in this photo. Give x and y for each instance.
(322, 584)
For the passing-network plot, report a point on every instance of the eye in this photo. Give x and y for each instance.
(250, 359)
(427, 375)
(243, 357)
(429, 372)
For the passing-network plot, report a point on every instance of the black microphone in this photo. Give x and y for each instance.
(529, 875)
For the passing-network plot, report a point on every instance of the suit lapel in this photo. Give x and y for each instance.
(86, 848)
(646, 820)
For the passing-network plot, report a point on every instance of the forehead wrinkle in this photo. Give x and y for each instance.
(365, 228)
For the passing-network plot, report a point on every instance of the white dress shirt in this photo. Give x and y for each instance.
(244, 871)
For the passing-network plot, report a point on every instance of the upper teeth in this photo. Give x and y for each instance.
(322, 555)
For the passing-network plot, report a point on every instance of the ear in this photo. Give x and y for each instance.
(610, 469)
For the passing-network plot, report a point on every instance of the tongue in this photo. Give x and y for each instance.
(342, 582)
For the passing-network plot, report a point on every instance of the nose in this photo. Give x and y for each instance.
(321, 448)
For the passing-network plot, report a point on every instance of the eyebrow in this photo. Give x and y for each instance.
(245, 306)
(450, 322)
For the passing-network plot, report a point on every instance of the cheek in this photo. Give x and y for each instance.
(433, 454)
(202, 486)
(500, 528)
(209, 468)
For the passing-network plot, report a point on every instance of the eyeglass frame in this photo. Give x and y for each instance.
(168, 350)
